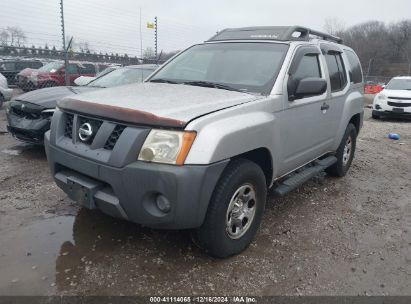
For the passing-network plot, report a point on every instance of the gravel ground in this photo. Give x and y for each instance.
(348, 236)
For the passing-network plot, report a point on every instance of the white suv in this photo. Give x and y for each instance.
(395, 99)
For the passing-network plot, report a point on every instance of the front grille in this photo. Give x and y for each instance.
(400, 98)
(114, 136)
(399, 104)
(95, 124)
(68, 128)
(23, 114)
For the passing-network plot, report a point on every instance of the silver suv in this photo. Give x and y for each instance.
(199, 143)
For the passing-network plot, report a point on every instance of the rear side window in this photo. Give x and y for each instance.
(87, 69)
(336, 70)
(308, 67)
(22, 65)
(355, 67)
(36, 65)
(72, 69)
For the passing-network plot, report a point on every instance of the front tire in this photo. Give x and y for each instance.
(235, 211)
(345, 153)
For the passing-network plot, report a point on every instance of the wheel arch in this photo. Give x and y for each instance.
(356, 121)
(262, 157)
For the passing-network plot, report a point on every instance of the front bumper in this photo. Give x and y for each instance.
(391, 108)
(131, 192)
(27, 122)
(28, 130)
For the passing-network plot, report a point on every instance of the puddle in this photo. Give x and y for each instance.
(28, 255)
(11, 152)
(62, 254)
(35, 151)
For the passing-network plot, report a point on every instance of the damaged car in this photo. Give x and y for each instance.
(200, 142)
(29, 114)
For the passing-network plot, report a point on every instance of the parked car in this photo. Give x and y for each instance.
(5, 92)
(200, 142)
(394, 99)
(10, 68)
(29, 115)
(23, 79)
(84, 80)
(53, 73)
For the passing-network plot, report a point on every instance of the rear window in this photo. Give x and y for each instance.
(355, 67)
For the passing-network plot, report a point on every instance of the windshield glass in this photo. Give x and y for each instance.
(399, 84)
(250, 67)
(121, 77)
(51, 67)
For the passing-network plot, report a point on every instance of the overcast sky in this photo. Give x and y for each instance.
(114, 25)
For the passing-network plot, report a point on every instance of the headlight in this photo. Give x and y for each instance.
(168, 147)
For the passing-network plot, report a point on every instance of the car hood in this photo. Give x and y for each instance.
(48, 97)
(26, 72)
(398, 93)
(156, 104)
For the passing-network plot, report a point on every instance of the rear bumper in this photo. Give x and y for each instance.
(131, 192)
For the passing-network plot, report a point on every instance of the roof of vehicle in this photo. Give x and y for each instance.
(275, 33)
(20, 60)
(402, 77)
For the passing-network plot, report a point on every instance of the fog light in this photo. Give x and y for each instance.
(378, 107)
(163, 203)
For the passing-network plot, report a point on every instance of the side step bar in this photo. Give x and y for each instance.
(297, 179)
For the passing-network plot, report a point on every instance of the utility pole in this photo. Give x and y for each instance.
(141, 42)
(155, 36)
(65, 50)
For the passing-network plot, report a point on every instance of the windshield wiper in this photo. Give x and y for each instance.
(209, 84)
(162, 80)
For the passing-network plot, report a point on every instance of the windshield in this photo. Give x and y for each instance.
(51, 67)
(399, 84)
(121, 77)
(249, 67)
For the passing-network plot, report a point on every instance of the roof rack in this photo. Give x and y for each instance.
(278, 33)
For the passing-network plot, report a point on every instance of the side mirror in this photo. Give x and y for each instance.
(309, 86)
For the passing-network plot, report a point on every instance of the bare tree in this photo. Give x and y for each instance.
(334, 26)
(17, 36)
(371, 43)
(148, 53)
(4, 37)
(400, 39)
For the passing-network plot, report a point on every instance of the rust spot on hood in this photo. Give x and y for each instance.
(118, 113)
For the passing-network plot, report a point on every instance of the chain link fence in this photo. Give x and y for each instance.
(70, 39)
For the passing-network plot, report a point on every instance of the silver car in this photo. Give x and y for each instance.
(199, 143)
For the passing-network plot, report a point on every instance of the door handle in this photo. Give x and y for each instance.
(325, 106)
